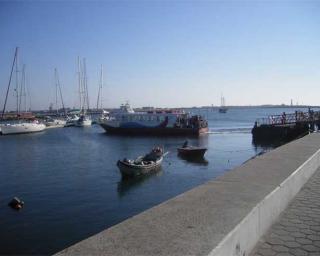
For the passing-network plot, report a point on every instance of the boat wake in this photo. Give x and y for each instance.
(229, 130)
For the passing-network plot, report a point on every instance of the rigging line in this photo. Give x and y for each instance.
(5, 102)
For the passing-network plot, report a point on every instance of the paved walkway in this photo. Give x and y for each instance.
(298, 230)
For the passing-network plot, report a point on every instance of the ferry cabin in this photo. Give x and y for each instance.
(149, 119)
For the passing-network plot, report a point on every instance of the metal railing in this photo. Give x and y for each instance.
(292, 118)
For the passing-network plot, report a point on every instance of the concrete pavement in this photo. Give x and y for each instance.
(297, 232)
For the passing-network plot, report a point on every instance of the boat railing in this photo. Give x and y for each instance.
(288, 119)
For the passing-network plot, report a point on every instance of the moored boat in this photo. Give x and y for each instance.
(72, 120)
(84, 120)
(54, 123)
(159, 122)
(142, 165)
(20, 126)
(23, 127)
(191, 152)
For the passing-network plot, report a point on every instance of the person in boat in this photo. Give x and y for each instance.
(185, 144)
(154, 155)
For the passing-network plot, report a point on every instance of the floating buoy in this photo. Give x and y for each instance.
(16, 203)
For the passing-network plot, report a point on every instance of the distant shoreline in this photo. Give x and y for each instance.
(194, 107)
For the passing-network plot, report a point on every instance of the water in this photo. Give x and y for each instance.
(72, 188)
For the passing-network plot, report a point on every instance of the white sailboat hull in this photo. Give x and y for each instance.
(22, 128)
(56, 123)
(84, 123)
(84, 120)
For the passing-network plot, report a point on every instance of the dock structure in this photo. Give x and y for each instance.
(223, 217)
(286, 127)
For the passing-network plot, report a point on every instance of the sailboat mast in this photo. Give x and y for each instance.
(99, 100)
(85, 80)
(24, 89)
(60, 92)
(17, 86)
(56, 87)
(13, 63)
(101, 86)
(22, 86)
(79, 82)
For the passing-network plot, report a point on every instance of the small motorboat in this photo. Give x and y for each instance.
(142, 165)
(191, 152)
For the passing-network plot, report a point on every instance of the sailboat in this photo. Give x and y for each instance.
(58, 121)
(84, 120)
(223, 108)
(20, 126)
(104, 113)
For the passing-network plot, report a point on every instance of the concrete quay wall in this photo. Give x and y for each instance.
(225, 216)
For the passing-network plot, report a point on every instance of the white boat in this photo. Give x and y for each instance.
(23, 127)
(84, 120)
(20, 126)
(104, 117)
(57, 121)
(54, 123)
(72, 121)
(155, 122)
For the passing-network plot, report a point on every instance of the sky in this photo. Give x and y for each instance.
(165, 53)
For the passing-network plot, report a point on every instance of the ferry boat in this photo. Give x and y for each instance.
(158, 122)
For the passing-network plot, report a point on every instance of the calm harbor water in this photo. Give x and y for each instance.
(72, 188)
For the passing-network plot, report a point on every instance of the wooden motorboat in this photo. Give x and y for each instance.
(142, 165)
(191, 152)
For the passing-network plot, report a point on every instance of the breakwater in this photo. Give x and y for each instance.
(225, 216)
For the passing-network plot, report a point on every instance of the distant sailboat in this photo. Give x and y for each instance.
(223, 108)
(19, 127)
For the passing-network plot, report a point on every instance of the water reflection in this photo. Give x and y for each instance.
(194, 160)
(127, 184)
(267, 144)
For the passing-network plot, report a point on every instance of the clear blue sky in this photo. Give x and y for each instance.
(166, 53)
